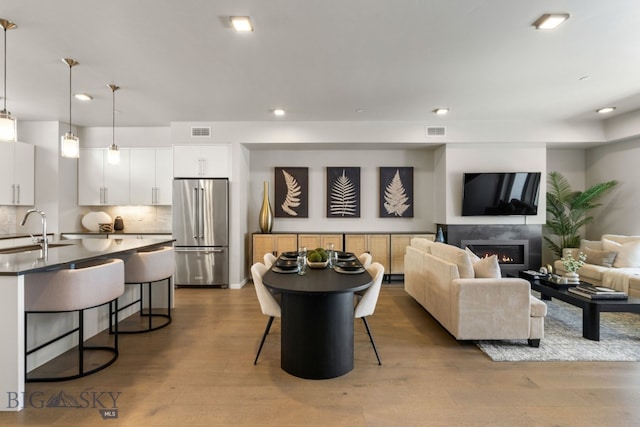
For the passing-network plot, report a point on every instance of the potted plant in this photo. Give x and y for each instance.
(568, 211)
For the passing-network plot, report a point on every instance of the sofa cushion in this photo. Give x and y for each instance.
(456, 256)
(591, 244)
(487, 268)
(628, 253)
(603, 258)
(618, 238)
(422, 244)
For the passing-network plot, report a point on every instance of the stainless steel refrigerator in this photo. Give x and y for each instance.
(201, 230)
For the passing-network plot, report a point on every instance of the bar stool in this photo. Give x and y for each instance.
(86, 286)
(149, 268)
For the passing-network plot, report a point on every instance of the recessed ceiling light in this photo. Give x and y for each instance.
(83, 96)
(278, 112)
(359, 110)
(440, 111)
(550, 21)
(605, 110)
(241, 24)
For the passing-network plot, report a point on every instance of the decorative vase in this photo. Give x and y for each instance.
(572, 277)
(440, 235)
(265, 221)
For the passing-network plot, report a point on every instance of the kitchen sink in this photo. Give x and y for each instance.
(29, 248)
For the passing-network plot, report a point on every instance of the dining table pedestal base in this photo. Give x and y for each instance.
(317, 334)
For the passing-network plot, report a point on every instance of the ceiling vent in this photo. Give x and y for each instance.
(436, 131)
(198, 131)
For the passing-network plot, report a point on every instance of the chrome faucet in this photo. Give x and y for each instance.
(43, 241)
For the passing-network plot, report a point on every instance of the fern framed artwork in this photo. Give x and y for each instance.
(396, 192)
(291, 192)
(343, 192)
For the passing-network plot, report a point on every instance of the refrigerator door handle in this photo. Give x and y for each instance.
(201, 225)
(196, 213)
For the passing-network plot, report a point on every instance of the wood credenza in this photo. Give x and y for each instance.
(386, 248)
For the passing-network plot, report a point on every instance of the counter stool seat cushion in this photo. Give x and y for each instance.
(147, 268)
(150, 266)
(86, 286)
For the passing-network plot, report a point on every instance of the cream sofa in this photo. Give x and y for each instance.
(441, 278)
(613, 261)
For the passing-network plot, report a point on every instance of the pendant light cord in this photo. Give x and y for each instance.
(4, 98)
(70, 66)
(113, 122)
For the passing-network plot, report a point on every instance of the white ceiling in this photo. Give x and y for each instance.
(321, 60)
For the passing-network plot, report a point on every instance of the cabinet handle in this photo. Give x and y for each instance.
(13, 194)
(101, 195)
(18, 198)
(106, 195)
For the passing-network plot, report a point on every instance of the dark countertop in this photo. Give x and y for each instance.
(70, 252)
(116, 233)
(20, 235)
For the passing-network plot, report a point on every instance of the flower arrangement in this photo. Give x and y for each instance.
(571, 264)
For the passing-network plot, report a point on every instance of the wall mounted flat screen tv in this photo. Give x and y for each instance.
(501, 193)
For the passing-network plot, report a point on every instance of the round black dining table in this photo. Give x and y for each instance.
(317, 320)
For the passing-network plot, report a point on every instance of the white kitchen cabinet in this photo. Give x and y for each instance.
(17, 173)
(207, 161)
(101, 183)
(151, 176)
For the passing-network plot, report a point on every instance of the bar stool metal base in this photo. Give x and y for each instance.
(81, 347)
(149, 312)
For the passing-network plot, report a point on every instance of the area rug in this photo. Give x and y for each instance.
(619, 339)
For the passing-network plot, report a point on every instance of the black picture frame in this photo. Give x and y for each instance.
(343, 192)
(291, 192)
(396, 192)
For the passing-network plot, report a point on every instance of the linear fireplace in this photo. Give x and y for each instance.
(512, 254)
(503, 236)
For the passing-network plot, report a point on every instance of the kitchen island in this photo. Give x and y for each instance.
(13, 267)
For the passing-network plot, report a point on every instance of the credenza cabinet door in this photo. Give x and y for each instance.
(375, 244)
(273, 243)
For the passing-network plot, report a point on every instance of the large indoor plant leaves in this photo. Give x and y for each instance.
(568, 211)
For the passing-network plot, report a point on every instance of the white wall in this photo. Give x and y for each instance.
(619, 213)
(101, 137)
(461, 158)
(262, 169)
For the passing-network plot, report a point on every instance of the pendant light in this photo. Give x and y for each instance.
(70, 144)
(7, 122)
(113, 155)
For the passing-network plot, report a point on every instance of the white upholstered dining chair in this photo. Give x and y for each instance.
(365, 259)
(268, 303)
(269, 259)
(367, 304)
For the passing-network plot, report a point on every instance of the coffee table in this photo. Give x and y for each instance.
(591, 309)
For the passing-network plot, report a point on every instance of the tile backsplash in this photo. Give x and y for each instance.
(7, 219)
(137, 218)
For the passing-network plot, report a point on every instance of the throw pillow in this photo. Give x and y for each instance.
(472, 256)
(487, 268)
(603, 258)
(628, 253)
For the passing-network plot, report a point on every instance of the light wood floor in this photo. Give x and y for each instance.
(199, 372)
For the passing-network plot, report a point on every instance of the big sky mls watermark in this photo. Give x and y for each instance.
(106, 402)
